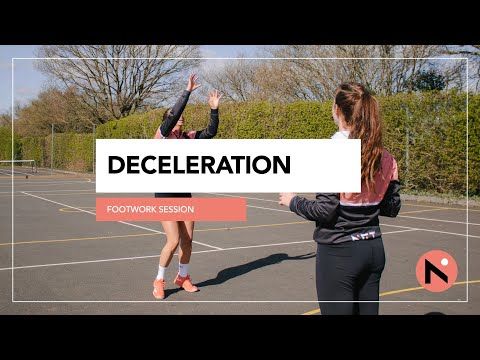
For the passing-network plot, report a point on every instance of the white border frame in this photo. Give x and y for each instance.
(244, 301)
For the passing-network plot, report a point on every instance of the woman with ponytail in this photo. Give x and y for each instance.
(350, 254)
(180, 233)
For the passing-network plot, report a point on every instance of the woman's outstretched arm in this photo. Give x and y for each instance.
(211, 130)
(322, 209)
(177, 110)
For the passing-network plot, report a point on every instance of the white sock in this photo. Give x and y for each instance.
(161, 272)
(182, 269)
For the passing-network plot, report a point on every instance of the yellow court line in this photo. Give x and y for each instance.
(418, 211)
(143, 234)
(69, 210)
(253, 226)
(77, 239)
(48, 194)
(393, 292)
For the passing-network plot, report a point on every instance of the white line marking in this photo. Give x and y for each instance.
(245, 197)
(398, 231)
(45, 191)
(265, 208)
(155, 256)
(439, 220)
(194, 252)
(437, 207)
(419, 211)
(121, 222)
(430, 230)
(18, 183)
(409, 227)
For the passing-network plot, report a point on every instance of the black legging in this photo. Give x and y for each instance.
(349, 271)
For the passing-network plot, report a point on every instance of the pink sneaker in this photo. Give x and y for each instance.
(185, 283)
(159, 289)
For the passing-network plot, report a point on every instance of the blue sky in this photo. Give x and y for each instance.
(29, 82)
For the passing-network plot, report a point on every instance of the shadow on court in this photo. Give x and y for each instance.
(239, 270)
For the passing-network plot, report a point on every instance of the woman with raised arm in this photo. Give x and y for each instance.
(181, 232)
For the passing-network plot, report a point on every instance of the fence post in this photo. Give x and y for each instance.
(407, 150)
(93, 160)
(51, 154)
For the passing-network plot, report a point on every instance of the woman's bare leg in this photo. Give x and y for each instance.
(171, 229)
(184, 254)
(186, 236)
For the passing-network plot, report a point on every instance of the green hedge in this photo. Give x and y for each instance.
(6, 145)
(434, 159)
(72, 152)
(33, 148)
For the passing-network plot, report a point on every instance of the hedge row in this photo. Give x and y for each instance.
(424, 131)
(72, 152)
(6, 145)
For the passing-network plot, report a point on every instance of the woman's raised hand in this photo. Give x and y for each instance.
(192, 83)
(213, 99)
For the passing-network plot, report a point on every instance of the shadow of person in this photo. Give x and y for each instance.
(239, 270)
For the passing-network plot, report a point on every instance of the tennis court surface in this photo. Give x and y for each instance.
(64, 262)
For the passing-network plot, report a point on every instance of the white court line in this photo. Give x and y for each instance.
(245, 197)
(443, 207)
(45, 191)
(430, 230)
(265, 208)
(15, 172)
(156, 255)
(121, 222)
(428, 206)
(405, 227)
(45, 183)
(52, 194)
(398, 231)
(409, 227)
(439, 220)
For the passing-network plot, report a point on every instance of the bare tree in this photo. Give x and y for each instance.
(118, 80)
(6, 118)
(298, 72)
(65, 109)
(315, 71)
(235, 79)
(472, 52)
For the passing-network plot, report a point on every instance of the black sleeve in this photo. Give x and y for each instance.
(212, 127)
(175, 113)
(391, 203)
(323, 209)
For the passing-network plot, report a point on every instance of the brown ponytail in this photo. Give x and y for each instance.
(361, 113)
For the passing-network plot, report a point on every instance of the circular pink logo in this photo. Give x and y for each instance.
(436, 270)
